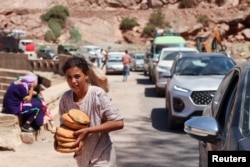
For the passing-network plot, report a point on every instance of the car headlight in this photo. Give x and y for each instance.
(181, 89)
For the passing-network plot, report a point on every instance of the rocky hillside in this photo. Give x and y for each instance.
(98, 21)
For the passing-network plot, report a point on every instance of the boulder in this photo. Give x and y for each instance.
(9, 132)
(98, 78)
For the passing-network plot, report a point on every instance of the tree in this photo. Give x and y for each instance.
(55, 18)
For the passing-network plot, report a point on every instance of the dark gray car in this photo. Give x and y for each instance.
(47, 53)
(225, 123)
(137, 61)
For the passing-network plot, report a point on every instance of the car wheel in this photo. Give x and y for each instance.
(133, 68)
(159, 92)
(150, 76)
(170, 120)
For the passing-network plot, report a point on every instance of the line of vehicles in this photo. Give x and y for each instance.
(205, 91)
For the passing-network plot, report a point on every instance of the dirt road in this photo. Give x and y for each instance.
(144, 141)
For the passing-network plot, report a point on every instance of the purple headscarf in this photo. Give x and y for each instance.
(29, 79)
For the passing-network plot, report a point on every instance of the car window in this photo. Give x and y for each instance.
(171, 55)
(139, 57)
(115, 58)
(218, 66)
(190, 66)
(246, 108)
(220, 92)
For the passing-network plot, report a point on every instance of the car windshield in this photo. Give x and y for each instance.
(50, 51)
(158, 48)
(139, 57)
(92, 49)
(203, 65)
(114, 58)
(171, 55)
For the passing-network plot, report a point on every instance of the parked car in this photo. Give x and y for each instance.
(68, 49)
(46, 53)
(90, 49)
(225, 122)
(146, 63)
(114, 63)
(191, 84)
(137, 60)
(169, 39)
(164, 63)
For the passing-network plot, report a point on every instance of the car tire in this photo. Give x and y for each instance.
(159, 92)
(132, 68)
(170, 120)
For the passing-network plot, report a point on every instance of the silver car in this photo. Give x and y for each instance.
(114, 63)
(192, 82)
(164, 63)
(137, 62)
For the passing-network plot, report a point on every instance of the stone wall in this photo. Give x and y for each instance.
(14, 61)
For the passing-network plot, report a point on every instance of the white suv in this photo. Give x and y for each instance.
(165, 62)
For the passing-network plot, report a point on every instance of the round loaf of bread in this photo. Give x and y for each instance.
(66, 117)
(70, 123)
(64, 139)
(79, 116)
(65, 144)
(65, 132)
(66, 149)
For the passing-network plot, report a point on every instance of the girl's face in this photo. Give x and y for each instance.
(76, 79)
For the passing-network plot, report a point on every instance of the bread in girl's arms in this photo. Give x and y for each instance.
(65, 144)
(67, 149)
(65, 132)
(64, 139)
(72, 124)
(79, 116)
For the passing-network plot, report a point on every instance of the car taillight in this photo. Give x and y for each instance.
(178, 104)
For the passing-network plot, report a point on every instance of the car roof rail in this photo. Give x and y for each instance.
(226, 54)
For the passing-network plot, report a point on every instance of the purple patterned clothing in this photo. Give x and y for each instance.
(13, 104)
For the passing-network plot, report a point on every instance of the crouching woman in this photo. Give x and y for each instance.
(19, 100)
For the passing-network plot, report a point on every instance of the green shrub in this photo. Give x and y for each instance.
(203, 19)
(149, 30)
(157, 19)
(55, 27)
(187, 3)
(75, 35)
(49, 36)
(128, 24)
(55, 18)
(57, 12)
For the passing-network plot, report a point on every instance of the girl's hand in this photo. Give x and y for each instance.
(81, 135)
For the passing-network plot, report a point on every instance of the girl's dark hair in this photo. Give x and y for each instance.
(76, 62)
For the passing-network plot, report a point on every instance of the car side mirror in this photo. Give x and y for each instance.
(203, 128)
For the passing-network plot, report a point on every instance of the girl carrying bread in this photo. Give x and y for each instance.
(94, 144)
